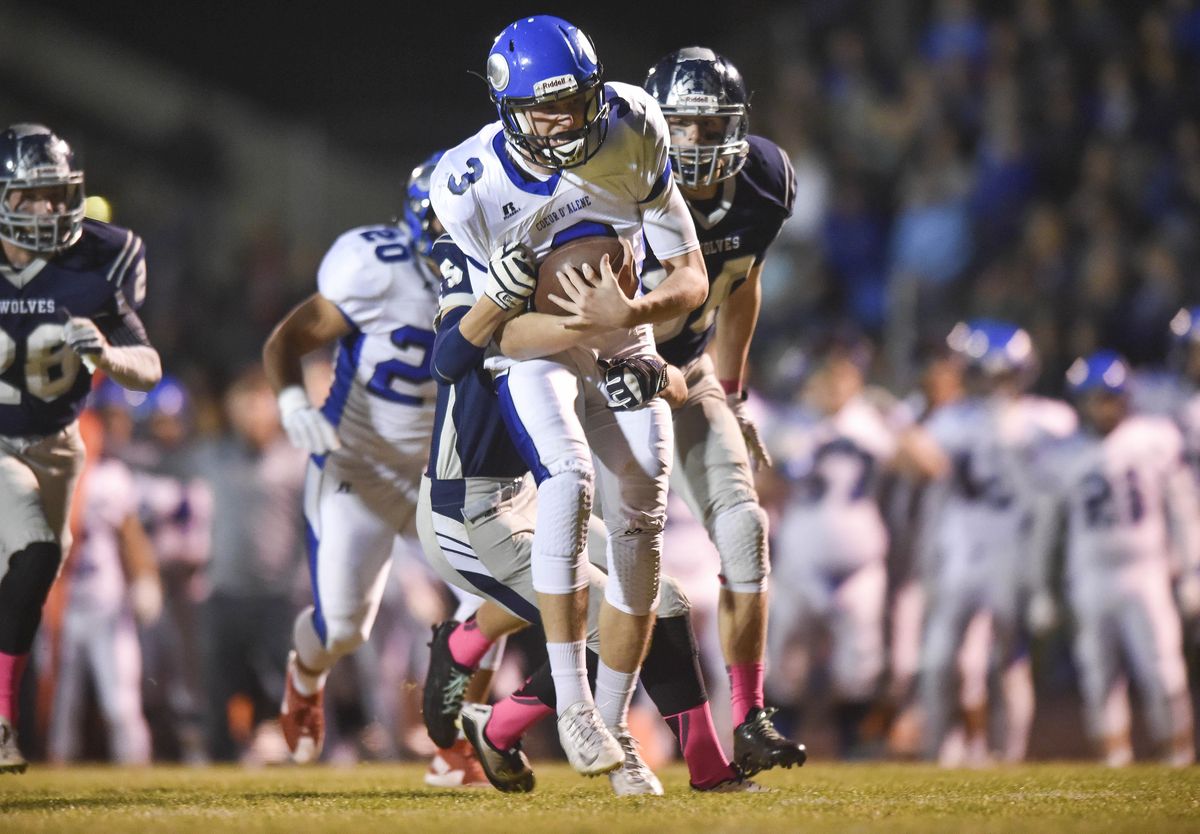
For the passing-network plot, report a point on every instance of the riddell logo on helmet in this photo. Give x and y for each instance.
(557, 84)
(698, 99)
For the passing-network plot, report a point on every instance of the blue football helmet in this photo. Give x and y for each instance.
(537, 61)
(169, 398)
(697, 82)
(31, 156)
(418, 211)
(1104, 370)
(993, 347)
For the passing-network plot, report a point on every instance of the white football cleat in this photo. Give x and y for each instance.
(634, 777)
(11, 760)
(590, 747)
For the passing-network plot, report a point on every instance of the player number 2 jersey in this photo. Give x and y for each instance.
(383, 394)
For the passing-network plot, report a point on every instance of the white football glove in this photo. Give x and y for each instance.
(512, 276)
(1043, 612)
(632, 381)
(759, 457)
(306, 426)
(1188, 592)
(84, 337)
(146, 598)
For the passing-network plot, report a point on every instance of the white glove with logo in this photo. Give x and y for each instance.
(759, 457)
(306, 427)
(1043, 612)
(84, 337)
(632, 381)
(512, 276)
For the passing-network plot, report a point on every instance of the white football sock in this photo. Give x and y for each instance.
(614, 690)
(568, 668)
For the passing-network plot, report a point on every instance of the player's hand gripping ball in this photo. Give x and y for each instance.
(571, 280)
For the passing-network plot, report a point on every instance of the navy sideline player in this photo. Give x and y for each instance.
(67, 299)
(740, 189)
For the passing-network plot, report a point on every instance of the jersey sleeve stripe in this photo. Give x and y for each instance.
(660, 184)
(455, 299)
(119, 263)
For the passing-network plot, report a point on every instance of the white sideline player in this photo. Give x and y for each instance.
(112, 581)
(830, 569)
(976, 554)
(1128, 498)
(572, 156)
(376, 297)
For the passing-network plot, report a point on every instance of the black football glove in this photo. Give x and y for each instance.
(632, 381)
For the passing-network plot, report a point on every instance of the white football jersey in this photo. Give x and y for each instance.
(833, 465)
(486, 200)
(383, 394)
(97, 577)
(991, 443)
(1114, 490)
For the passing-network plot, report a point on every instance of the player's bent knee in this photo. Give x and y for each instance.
(343, 635)
(672, 601)
(740, 534)
(633, 576)
(559, 560)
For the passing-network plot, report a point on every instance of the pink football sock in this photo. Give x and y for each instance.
(468, 644)
(745, 688)
(11, 668)
(693, 728)
(512, 717)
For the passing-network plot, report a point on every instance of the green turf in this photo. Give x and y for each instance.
(820, 797)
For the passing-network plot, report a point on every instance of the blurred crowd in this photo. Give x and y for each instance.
(1031, 161)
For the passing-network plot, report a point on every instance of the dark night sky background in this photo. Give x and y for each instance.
(372, 72)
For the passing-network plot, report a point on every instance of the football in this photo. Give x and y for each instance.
(576, 253)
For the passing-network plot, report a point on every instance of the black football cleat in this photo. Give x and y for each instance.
(445, 686)
(758, 746)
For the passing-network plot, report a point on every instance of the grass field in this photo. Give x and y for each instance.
(1059, 798)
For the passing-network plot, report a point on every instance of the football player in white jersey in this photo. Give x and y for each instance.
(572, 156)
(1128, 498)
(830, 552)
(977, 548)
(1185, 328)
(376, 297)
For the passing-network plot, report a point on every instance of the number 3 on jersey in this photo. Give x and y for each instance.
(407, 338)
(50, 366)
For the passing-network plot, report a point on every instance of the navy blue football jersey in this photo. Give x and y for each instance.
(43, 383)
(735, 229)
(470, 439)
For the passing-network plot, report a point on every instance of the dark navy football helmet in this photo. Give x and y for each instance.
(537, 61)
(418, 211)
(994, 347)
(695, 82)
(31, 156)
(1104, 370)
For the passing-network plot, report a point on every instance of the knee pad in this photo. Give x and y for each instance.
(740, 534)
(633, 568)
(559, 558)
(672, 601)
(23, 590)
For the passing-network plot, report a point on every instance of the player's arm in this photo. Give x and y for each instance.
(137, 557)
(736, 321)
(116, 343)
(1183, 514)
(313, 323)
(919, 456)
